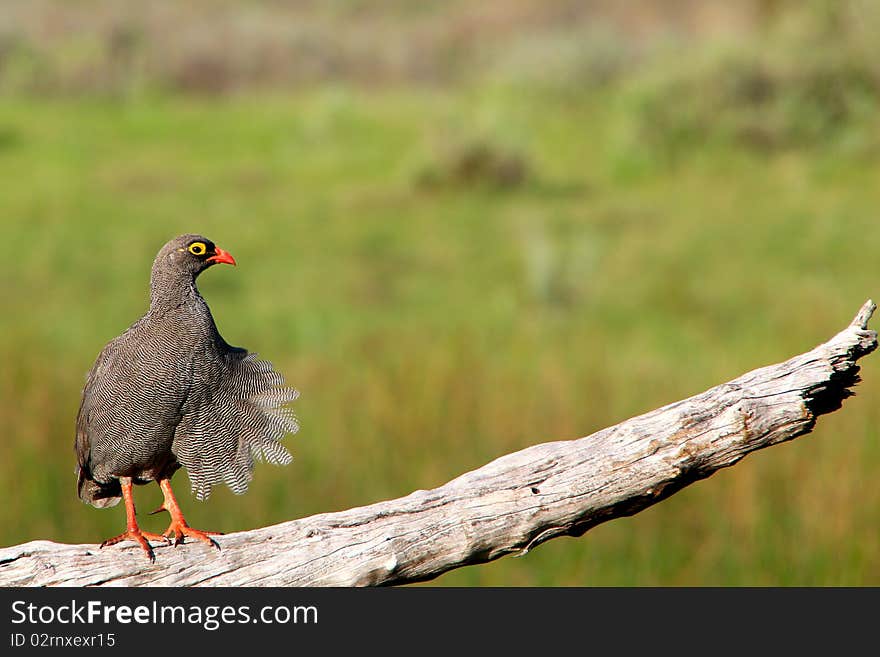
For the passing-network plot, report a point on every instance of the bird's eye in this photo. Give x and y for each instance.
(198, 248)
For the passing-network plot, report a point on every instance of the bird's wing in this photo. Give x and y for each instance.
(235, 414)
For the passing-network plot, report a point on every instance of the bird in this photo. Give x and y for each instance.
(170, 392)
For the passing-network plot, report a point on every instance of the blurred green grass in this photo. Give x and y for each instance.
(433, 327)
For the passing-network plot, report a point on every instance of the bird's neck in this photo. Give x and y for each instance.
(170, 289)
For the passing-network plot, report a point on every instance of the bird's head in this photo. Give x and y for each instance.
(191, 254)
(179, 262)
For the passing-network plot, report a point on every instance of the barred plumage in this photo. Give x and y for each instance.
(171, 392)
(226, 427)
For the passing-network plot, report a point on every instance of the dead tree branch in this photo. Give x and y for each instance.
(505, 507)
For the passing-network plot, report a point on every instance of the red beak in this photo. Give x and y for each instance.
(221, 256)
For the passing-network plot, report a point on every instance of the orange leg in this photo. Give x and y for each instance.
(133, 532)
(178, 526)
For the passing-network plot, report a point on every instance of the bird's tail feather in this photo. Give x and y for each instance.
(96, 494)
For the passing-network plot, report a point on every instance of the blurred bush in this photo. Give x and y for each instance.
(775, 74)
(474, 164)
(811, 78)
(119, 47)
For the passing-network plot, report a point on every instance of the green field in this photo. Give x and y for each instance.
(436, 313)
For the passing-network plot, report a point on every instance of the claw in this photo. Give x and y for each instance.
(141, 537)
(181, 529)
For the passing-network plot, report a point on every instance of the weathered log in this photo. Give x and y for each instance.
(505, 507)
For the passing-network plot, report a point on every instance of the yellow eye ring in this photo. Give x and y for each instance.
(198, 248)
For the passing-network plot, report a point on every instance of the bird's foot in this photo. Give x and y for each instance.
(141, 537)
(180, 529)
